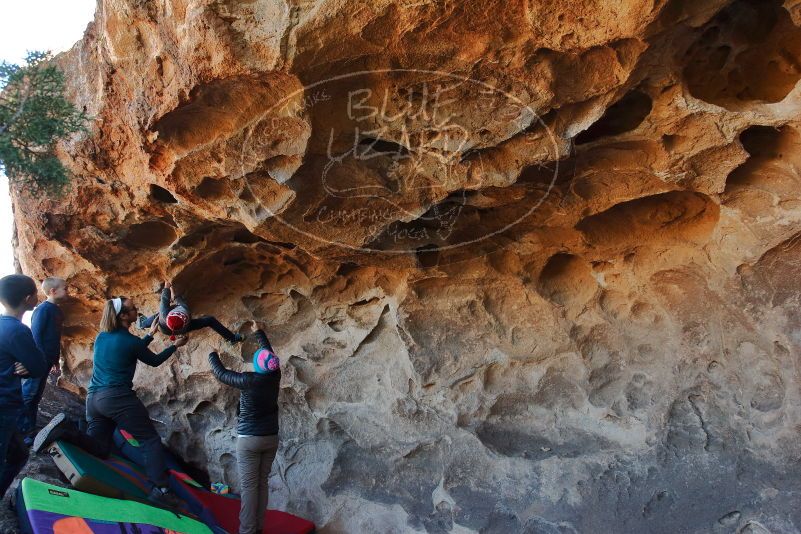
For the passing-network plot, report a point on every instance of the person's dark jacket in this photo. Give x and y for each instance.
(258, 402)
(46, 323)
(17, 345)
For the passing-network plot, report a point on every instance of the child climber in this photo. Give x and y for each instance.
(257, 429)
(175, 318)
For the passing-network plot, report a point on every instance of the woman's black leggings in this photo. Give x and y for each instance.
(108, 408)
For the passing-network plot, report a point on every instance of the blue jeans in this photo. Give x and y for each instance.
(13, 452)
(32, 391)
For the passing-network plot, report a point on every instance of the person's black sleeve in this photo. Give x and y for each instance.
(145, 355)
(228, 377)
(28, 354)
(263, 341)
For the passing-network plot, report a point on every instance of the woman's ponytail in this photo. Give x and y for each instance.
(110, 320)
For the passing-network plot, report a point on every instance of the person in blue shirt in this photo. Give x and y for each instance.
(19, 356)
(46, 324)
(111, 400)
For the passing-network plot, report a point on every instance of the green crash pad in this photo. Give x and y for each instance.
(48, 507)
(115, 477)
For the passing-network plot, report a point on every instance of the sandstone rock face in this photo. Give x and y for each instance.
(531, 266)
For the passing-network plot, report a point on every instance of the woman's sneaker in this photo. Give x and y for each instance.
(163, 497)
(57, 427)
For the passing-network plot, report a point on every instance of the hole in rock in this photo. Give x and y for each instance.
(761, 141)
(211, 188)
(192, 239)
(670, 141)
(428, 256)
(769, 173)
(196, 236)
(365, 302)
(347, 268)
(160, 194)
(245, 236)
(150, 234)
(622, 116)
(381, 146)
(750, 52)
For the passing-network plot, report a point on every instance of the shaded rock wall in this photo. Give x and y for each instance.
(531, 266)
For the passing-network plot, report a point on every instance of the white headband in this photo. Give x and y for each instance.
(117, 302)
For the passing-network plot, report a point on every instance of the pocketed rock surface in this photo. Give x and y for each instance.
(530, 266)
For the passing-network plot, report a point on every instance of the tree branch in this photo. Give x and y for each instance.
(4, 127)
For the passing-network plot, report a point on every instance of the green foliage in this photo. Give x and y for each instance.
(34, 114)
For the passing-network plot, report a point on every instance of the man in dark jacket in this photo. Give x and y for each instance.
(257, 429)
(19, 356)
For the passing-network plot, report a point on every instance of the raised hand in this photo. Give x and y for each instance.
(180, 341)
(168, 285)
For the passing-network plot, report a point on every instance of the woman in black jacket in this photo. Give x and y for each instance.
(257, 429)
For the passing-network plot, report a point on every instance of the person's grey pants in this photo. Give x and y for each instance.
(254, 459)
